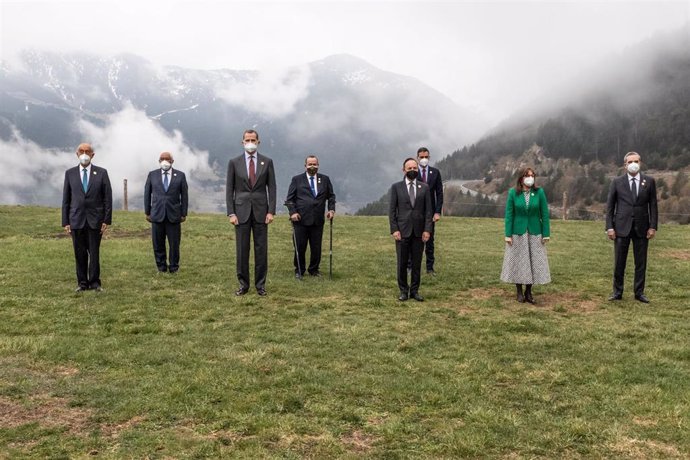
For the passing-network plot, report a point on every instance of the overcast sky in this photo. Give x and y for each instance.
(492, 56)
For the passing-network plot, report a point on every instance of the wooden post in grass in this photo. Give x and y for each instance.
(124, 201)
(565, 206)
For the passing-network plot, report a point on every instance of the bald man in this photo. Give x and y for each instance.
(87, 209)
(165, 206)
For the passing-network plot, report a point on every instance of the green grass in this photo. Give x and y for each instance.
(177, 366)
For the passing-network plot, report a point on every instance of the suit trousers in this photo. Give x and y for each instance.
(410, 248)
(160, 231)
(243, 233)
(312, 234)
(87, 242)
(621, 246)
(429, 250)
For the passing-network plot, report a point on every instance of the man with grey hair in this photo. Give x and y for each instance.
(306, 200)
(631, 214)
(87, 211)
(166, 202)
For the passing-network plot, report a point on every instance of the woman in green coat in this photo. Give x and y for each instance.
(526, 233)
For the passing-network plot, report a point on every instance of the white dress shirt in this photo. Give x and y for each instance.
(316, 181)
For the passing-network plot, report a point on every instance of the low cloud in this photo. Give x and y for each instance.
(32, 175)
(128, 146)
(272, 93)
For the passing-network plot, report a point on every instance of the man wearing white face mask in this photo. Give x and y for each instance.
(165, 205)
(631, 214)
(250, 196)
(87, 207)
(432, 177)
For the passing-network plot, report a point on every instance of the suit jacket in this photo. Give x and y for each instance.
(159, 204)
(520, 218)
(410, 220)
(301, 200)
(621, 211)
(243, 200)
(435, 183)
(87, 209)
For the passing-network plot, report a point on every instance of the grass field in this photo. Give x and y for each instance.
(175, 366)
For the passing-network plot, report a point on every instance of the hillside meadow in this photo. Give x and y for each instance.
(175, 366)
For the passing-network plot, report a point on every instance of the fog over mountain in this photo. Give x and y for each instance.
(361, 121)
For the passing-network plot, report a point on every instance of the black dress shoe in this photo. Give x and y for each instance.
(431, 272)
(316, 274)
(642, 298)
(417, 297)
(298, 276)
(241, 291)
(615, 297)
(98, 288)
(81, 289)
(261, 291)
(403, 296)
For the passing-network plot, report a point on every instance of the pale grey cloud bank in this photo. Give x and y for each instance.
(495, 57)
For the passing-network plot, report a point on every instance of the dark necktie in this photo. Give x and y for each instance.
(634, 190)
(424, 175)
(252, 172)
(411, 192)
(84, 180)
(311, 184)
(165, 181)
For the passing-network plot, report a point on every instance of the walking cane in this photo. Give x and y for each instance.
(294, 241)
(330, 253)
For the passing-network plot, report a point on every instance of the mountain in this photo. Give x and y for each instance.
(361, 121)
(575, 138)
(638, 100)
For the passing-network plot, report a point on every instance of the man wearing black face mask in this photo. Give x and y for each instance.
(306, 200)
(410, 216)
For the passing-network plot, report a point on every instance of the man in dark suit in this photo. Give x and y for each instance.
(87, 209)
(432, 177)
(306, 201)
(165, 206)
(410, 216)
(631, 214)
(250, 195)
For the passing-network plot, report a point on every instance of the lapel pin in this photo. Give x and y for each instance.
(175, 174)
(318, 180)
(94, 173)
(262, 163)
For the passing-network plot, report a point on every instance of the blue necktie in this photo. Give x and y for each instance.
(311, 184)
(84, 180)
(165, 180)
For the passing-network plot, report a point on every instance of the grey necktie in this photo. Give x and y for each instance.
(411, 192)
(633, 188)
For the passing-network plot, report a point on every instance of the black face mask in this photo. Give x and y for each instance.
(312, 171)
(411, 174)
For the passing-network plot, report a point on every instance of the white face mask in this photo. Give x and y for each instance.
(250, 147)
(165, 165)
(84, 159)
(424, 162)
(633, 168)
(528, 181)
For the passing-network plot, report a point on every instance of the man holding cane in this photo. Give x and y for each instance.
(307, 197)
